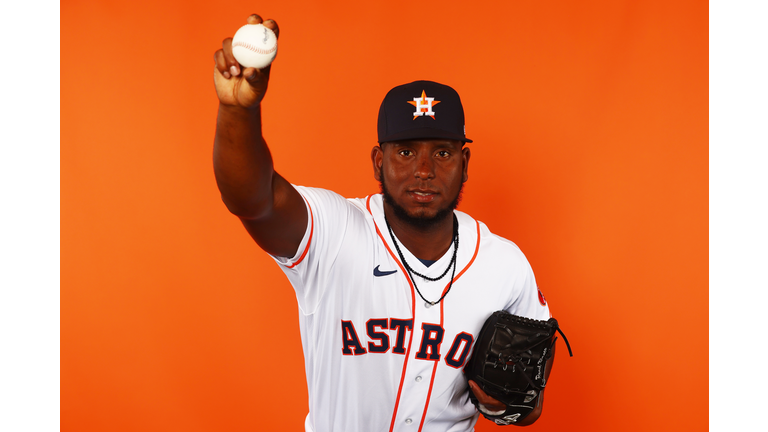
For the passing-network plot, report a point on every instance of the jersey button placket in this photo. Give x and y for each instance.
(419, 371)
(415, 391)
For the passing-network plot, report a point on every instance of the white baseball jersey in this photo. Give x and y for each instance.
(377, 357)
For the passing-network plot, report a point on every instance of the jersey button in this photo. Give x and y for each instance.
(418, 379)
(408, 421)
(427, 305)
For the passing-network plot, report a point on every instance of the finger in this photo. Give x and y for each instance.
(221, 63)
(483, 397)
(272, 25)
(232, 66)
(255, 76)
(479, 393)
(254, 19)
(251, 74)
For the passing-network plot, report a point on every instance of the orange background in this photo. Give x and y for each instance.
(590, 122)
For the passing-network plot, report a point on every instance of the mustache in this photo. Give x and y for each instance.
(419, 221)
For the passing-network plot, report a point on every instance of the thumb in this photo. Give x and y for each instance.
(257, 77)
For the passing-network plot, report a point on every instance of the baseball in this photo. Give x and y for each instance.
(254, 46)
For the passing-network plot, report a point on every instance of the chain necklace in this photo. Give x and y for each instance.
(411, 271)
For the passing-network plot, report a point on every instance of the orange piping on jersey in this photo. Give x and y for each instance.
(311, 231)
(413, 313)
(477, 248)
(434, 368)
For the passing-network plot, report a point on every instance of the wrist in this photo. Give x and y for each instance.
(234, 109)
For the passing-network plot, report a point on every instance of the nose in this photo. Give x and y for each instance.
(425, 167)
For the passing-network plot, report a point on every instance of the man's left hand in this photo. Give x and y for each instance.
(488, 402)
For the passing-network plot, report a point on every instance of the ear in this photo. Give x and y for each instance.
(465, 154)
(377, 158)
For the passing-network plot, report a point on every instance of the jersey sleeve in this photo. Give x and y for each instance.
(530, 303)
(309, 269)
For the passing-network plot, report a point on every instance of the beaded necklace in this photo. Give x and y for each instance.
(411, 271)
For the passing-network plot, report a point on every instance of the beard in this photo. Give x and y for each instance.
(420, 221)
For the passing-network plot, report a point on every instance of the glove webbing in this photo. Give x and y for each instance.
(529, 321)
(518, 360)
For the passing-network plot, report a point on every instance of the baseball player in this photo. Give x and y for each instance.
(393, 288)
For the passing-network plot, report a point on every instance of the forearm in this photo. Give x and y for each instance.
(242, 162)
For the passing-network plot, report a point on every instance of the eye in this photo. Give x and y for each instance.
(443, 153)
(405, 152)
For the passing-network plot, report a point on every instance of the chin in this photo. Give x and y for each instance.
(422, 216)
(425, 213)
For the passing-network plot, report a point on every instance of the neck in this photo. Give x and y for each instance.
(427, 243)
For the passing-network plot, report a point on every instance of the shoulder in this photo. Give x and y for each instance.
(319, 194)
(319, 199)
(506, 275)
(493, 245)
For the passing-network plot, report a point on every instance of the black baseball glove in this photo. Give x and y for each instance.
(509, 363)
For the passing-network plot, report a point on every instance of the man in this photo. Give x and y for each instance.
(392, 289)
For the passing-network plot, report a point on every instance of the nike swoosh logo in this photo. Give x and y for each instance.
(379, 273)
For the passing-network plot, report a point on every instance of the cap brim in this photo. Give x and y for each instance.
(423, 133)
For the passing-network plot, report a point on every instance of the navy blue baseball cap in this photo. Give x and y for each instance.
(420, 110)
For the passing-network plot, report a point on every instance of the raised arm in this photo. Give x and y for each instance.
(270, 208)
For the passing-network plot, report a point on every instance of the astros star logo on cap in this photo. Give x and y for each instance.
(399, 121)
(423, 105)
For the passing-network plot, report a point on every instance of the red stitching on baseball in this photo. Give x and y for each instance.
(253, 48)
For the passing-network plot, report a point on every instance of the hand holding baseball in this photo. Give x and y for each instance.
(238, 85)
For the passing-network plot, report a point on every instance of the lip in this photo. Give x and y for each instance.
(422, 195)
